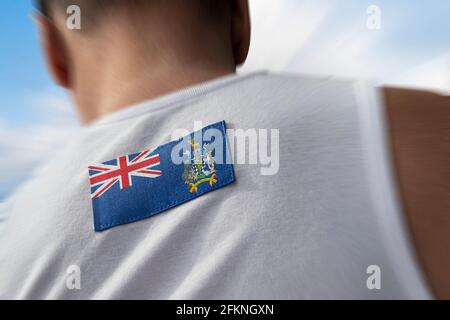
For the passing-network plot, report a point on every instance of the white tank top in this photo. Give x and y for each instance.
(326, 225)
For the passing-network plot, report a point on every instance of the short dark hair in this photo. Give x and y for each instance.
(44, 6)
(41, 6)
(90, 8)
(211, 7)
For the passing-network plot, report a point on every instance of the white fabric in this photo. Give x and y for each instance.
(310, 231)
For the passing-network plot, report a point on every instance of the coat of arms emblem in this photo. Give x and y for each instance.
(201, 167)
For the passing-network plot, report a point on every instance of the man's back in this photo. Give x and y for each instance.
(310, 229)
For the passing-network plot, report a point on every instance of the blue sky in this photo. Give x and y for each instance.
(325, 37)
(23, 70)
(34, 113)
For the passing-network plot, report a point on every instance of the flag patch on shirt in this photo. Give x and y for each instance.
(140, 185)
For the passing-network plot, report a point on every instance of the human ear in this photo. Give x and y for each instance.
(240, 30)
(54, 49)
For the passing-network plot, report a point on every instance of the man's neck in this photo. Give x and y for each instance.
(121, 93)
(112, 73)
(115, 93)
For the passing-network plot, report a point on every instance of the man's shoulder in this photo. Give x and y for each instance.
(416, 100)
(297, 83)
(419, 125)
(283, 94)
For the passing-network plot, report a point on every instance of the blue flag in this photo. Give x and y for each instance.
(140, 185)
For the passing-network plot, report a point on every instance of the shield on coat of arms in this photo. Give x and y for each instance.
(201, 167)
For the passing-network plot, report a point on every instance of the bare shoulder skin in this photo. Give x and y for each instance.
(419, 124)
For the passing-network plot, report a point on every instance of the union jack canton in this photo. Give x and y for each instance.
(104, 176)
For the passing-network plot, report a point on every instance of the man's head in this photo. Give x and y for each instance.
(126, 41)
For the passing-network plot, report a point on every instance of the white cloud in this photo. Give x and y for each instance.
(280, 28)
(433, 75)
(52, 107)
(24, 146)
(322, 38)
